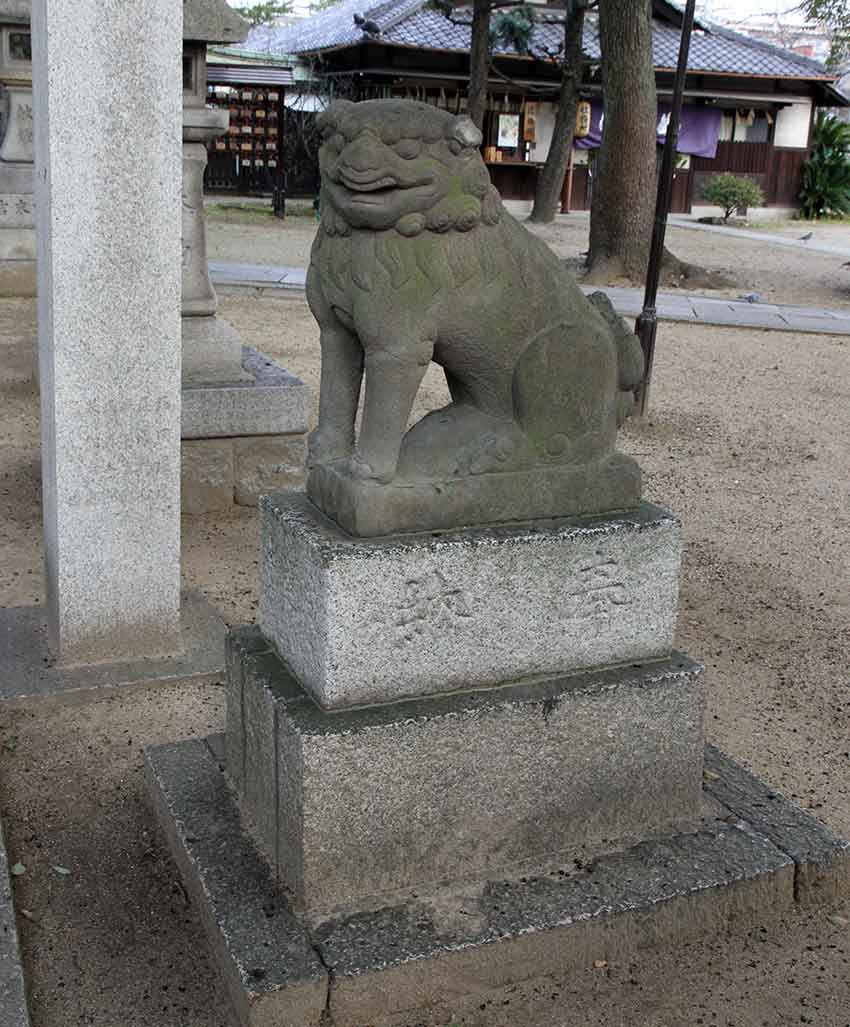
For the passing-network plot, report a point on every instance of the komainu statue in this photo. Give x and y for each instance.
(417, 260)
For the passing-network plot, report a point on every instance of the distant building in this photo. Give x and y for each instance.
(748, 104)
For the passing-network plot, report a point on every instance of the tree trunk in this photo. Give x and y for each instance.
(623, 204)
(550, 181)
(479, 62)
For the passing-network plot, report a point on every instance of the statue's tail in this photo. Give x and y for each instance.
(630, 362)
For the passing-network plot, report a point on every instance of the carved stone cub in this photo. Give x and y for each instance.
(417, 260)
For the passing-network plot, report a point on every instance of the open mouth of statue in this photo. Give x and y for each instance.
(384, 184)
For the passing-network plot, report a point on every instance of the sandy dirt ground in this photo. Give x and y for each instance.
(827, 233)
(747, 440)
(779, 274)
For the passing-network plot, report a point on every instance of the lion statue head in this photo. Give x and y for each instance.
(393, 164)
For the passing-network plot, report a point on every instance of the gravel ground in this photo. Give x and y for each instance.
(747, 441)
(779, 274)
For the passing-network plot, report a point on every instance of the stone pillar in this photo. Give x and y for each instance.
(212, 349)
(17, 216)
(108, 110)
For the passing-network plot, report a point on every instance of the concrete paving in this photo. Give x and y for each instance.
(796, 242)
(691, 308)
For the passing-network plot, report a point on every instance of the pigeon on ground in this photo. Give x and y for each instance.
(806, 237)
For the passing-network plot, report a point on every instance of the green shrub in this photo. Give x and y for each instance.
(826, 174)
(731, 192)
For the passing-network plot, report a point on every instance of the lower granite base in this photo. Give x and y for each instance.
(29, 676)
(430, 955)
(241, 439)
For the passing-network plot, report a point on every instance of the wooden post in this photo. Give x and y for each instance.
(570, 183)
(646, 325)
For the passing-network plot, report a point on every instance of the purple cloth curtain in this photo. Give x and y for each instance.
(699, 129)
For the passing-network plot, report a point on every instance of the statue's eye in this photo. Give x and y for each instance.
(408, 148)
(337, 141)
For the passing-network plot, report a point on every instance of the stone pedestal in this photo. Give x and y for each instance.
(244, 418)
(455, 761)
(354, 808)
(376, 620)
(243, 439)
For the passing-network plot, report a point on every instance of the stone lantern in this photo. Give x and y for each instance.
(17, 221)
(244, 418)
(212, 350)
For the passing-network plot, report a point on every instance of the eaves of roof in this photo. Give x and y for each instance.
(413, 24)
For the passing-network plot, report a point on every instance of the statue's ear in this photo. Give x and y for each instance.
(328, 120)
(465, 132)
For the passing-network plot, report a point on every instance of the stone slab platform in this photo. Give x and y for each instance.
(368, 509)
(13, 999)
(218, 473)
(362, 621)
(474, 783)
(426, 957)
(28, 675)
(270, 402)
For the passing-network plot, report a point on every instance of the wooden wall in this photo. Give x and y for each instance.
(777, 169)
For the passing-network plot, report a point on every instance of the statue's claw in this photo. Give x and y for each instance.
(361, 470)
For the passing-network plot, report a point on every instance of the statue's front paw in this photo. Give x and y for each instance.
(363, 471)
(324, 446)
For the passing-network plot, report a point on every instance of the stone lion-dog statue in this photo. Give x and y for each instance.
(416, 260)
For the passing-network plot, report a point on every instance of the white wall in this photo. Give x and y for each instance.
(792, 125)
(544, 124)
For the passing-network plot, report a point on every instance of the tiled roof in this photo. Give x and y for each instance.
(413, 23)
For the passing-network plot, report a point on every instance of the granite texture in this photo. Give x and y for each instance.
(207, 475)
(28, 675)
(212, 352)
(428, 958)
(364, 621)
(17, 143)
(822, 860)
(13, 999)
(240, 644)
(473, 782)
(15, 10)
(273, 975)
(270, 401)
(18, 278)
(416, 260)
(198, 294)
(108, 212)
(216, 473)
(17, 245)
(17, 179)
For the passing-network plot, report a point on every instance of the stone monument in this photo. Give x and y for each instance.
(244, 417)
(17, 206)
(109, 354)
(212, 351)
(461, 750)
